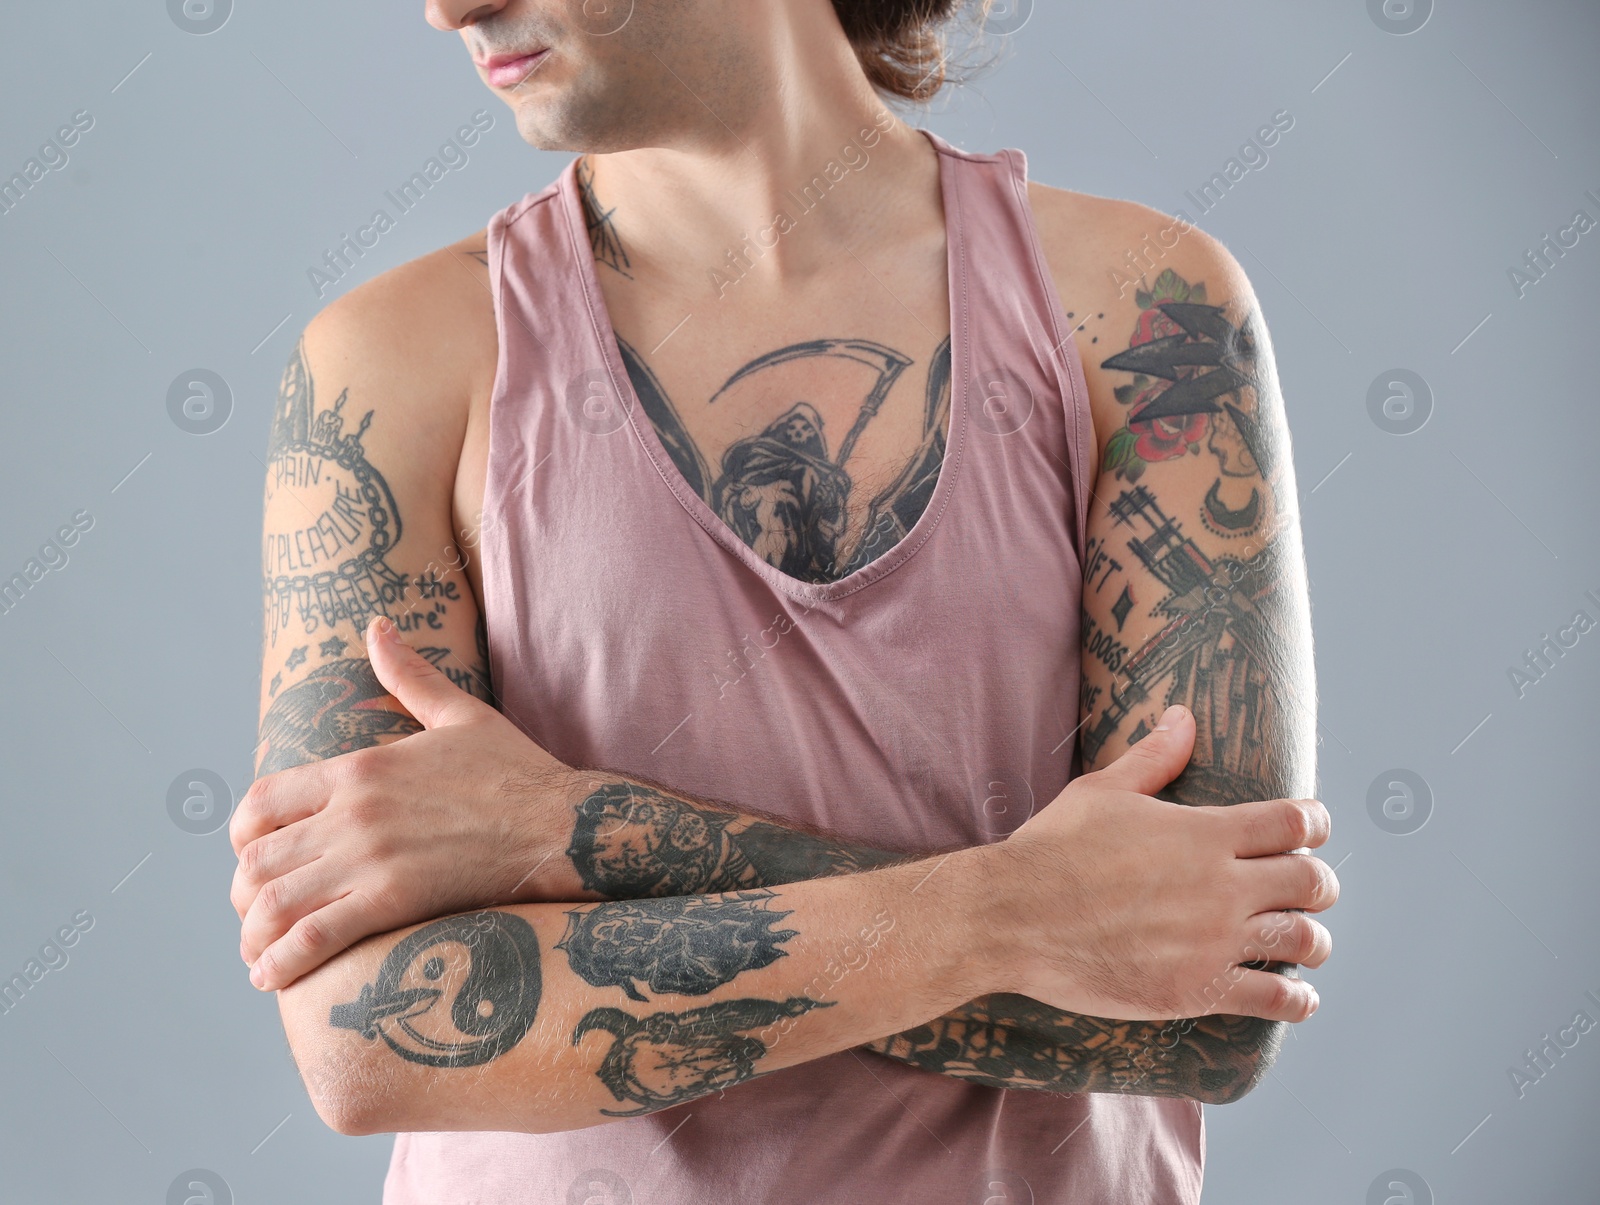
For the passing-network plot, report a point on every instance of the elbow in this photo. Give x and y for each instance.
(1253, 1054)
(346, 1088)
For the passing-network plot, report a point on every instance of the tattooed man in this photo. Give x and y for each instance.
(786, 663)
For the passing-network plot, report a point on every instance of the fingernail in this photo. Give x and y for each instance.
(382, 628)
(255, 974)
(1169, 717)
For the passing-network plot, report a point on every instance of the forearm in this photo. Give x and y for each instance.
(998, 1041)
(545, 1017)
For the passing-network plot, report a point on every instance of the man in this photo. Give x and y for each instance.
(675, 601)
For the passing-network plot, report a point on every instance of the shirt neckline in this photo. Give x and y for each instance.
(605, 344)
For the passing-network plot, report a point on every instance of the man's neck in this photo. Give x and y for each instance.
(823, 151)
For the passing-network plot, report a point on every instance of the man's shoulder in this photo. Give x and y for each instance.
(1099, 247)
(415, 307)
(416, 347)
(419, 336)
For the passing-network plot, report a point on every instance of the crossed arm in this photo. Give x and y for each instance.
(698, 965)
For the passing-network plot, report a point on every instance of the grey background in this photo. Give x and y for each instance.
(1419, 169)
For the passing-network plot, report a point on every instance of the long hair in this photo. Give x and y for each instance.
(901, 44)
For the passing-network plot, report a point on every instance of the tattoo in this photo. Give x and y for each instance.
(1007, 1041)
(1222, 521)
(487, 963)
(335, 708)
(686, 945)
(333, 646)
(634, 842)
(782, 491)
(667, 1058)
(470, 679)
(1217, 653)
(330, 569)
(607, 247)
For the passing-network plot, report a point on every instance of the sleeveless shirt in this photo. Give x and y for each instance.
(928, 698)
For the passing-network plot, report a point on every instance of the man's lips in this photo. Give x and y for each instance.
(508, 70)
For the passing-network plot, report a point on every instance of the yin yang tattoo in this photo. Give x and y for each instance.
(459, 992)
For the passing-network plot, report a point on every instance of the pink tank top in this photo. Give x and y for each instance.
(630, 628)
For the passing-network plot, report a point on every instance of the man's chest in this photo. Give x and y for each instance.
(814, 427)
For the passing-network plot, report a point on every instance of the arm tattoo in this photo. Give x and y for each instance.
(331, 568)
(334, 709)
(1006, 1041)
(632, 842)
(667, 1058)
(457, 993)
(683, 945)
(333, 571)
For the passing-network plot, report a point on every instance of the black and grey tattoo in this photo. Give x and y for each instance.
(632, 841)
(668, 1058)
(482, 967)
(685, 945)
(1007, 1041)
(603, 239)
(331, 568)
(782, 491)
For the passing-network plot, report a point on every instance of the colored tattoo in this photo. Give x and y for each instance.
(334, 709)
(664, 1059)
(329, 573)
(459, 992)
(683, 945)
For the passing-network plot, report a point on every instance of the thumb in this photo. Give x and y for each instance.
(1156, 759)
(410, 677)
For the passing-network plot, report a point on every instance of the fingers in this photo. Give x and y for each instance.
(1157, 759)
(1275, 826)
(312, 940)
(267, 858)
(1267, 995)
(1289, 937)
(280, 799)
(421, 687)
(1288, 881)
(283, 903)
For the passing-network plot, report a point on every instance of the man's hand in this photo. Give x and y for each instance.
(443, 820)
(1149, 910)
